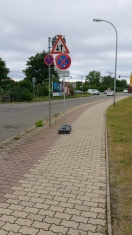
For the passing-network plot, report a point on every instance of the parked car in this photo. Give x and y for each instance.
(93, 91)
(110, 93)
(125, 91)
(78, 92)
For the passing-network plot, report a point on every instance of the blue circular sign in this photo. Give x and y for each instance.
(63, 61)
(49, 59)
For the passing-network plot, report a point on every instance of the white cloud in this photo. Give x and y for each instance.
(26, 25)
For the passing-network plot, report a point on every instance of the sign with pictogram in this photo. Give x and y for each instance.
(48, 59)
(63, 61)
(56, 37)
(59, 46)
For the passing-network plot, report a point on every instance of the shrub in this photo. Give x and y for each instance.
(39, 123)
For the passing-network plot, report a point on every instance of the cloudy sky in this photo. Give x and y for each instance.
(25, 26)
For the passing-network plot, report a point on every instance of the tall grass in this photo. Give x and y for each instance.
(119, 124)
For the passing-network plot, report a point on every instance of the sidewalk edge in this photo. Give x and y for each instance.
(109, 224)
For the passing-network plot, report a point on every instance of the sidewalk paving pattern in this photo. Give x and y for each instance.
(53, 184)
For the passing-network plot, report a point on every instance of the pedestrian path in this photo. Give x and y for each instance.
(62, 187)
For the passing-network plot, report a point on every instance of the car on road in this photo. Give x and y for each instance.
(110, 93)
(93, 91)
(125, 91)
(77, 92)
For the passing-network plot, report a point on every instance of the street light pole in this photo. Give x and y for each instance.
(99, 20)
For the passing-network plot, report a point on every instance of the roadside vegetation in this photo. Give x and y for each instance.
(119, 124)
(39, 123)
(35, 85)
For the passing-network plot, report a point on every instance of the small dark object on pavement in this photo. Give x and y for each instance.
(64, 129)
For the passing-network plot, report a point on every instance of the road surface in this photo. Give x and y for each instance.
(17, 117)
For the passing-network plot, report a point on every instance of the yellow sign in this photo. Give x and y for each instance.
(131, 79)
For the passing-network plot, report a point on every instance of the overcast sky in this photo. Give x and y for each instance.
(25, 26)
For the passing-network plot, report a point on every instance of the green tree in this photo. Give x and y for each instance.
(21, 91)
(107, 82)
(7, 84)
(3, 70)
(26, 84)
(43, 90)
(1, 91)
(123, 83)
(93, 78)
(36, 68)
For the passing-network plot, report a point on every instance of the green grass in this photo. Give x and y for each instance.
(119, 126)
(39, 123)
(17, 137)
(56, 115)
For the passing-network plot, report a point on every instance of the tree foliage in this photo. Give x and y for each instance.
(6, 84)
(108, 82)
(36, 68)
(27, 90)
(3, 70)
(93, 78)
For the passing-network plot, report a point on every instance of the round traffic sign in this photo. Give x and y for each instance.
(63, 61)
(48, 59)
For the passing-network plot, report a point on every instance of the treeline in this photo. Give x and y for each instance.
(95, 80)
(12, 91)
(35, 84)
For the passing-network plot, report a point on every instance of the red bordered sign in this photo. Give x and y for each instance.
(63, 61)
(48, 59)
(59, 46)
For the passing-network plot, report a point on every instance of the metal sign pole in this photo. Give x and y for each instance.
(49, 90)
(64, 98)
(64, 128)
(63, 62)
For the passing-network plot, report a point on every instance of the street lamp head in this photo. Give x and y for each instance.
(97, 20)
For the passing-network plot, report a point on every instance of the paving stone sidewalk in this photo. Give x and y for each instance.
(56, 184)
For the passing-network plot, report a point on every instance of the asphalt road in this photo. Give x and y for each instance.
(15, 118)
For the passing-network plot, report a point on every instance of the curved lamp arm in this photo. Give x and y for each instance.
(99, 20)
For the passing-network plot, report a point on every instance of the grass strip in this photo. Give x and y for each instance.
(119, 126)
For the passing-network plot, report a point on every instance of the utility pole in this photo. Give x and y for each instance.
(110, 73)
